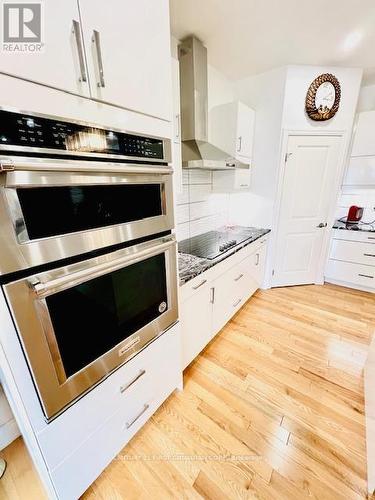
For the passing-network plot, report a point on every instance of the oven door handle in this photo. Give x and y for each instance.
(94, 271)
(9, 164)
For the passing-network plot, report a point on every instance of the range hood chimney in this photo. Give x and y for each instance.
(197, 152)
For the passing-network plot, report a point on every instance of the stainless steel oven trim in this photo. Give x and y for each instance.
(17, 251)
(167, 148)
(28, 179)
(25, 163)
(34, 331)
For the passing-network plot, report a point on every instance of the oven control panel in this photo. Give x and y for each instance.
(42, 133)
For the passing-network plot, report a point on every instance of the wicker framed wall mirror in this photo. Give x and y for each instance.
(323, 97)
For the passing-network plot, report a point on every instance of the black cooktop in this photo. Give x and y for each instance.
(215, 243)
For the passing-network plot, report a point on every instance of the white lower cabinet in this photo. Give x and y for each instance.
(81, 442)
(209, 301)
(196, 323)
(352, 259)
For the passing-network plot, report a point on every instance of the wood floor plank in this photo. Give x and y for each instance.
(272, 409)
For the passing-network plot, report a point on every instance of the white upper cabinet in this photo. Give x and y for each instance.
(61, 64)
(364, 138)
(232, 129)
(128, 53)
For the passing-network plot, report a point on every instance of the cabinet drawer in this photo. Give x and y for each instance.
(353, 251)
(362, 236)
(357, 274)
(88, 461)
(231, 290)
(192, 286)
(120, 390)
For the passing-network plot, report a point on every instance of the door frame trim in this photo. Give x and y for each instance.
(343, 160)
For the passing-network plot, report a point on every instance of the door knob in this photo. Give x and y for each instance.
(322, 224)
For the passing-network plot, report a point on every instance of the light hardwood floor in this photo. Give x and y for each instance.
(272, 409)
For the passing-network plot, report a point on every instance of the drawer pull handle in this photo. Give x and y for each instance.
(129, 424)
(257, 259)
(365, 275)
(371, 237)
(369, 254)
(212, 300)
(199, 285)
(124, 387)
(237, 302)
(238, 277)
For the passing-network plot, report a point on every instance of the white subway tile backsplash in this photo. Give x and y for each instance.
(185, 176)
(183, 231)
(183, 196)
(199, 209)
(182, 214)
(200, 192)
(200, 177)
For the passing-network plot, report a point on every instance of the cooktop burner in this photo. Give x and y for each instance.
(215, 243)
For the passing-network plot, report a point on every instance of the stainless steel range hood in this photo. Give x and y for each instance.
(197, 152)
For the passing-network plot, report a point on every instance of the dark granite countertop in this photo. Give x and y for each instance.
(190, 266)
(361, 226)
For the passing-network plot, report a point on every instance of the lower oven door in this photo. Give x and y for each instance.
(80, 322)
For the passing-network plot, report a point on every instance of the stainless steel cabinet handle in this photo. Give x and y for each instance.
(237, 302)
(257, 259)
(126, 386)
(371, 237)
(238, 277)
(369, 254)
(199, 284)
(322, 224)
(239, 144)
(72, 279)
(129, 424)
(212, 300)
(96, 40)
(81, 57)
(365, 275)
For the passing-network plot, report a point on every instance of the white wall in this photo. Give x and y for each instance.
(298, 80)
(366, 100)
(278, 98)
(265, 94)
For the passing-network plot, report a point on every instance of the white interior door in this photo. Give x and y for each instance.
(308, 187)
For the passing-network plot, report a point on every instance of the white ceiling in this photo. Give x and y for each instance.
(246, 37)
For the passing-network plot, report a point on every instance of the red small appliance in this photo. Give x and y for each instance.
(355, 214)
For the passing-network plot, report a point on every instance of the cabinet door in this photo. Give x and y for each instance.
(61, 63)
(195, 320)
(245, 131)
(259, 264)
(128, 53)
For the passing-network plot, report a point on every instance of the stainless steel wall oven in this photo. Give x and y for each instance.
(87, 258)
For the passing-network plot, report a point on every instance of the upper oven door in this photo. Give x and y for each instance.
(54, 214)
(79, 322)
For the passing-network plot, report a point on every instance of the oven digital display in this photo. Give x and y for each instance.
(25, 130)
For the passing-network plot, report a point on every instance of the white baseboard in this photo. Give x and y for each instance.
(349, 285)
(8, 433)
